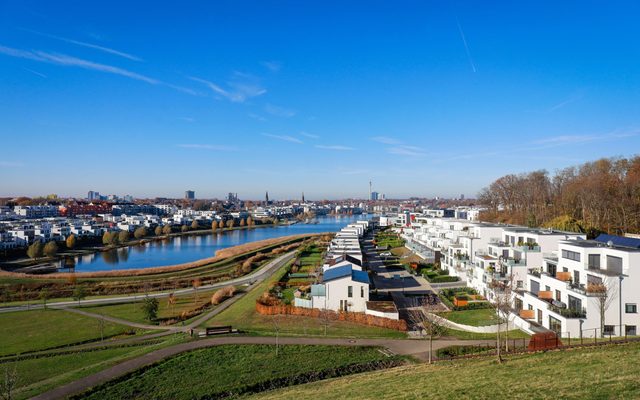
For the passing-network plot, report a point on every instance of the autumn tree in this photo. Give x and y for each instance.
(214, 225)
(230, 223)
(140, 232)
(35, 250)
(250, 221)
(71, 242)
(123, 236)
(184, 228)
(196, 284)
(44, 296)
(51, 249)
(171, 302)
(195, 225)
(79, 293)
(167, 229)
(158, 230)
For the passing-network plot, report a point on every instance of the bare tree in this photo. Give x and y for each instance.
(603, 295)
(196, 284)
(503, 290)
(326, 317)
(8, 383)
(421, 316)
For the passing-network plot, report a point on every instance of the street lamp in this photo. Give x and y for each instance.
(620, 279)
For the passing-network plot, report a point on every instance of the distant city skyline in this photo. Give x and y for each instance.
(423, 98)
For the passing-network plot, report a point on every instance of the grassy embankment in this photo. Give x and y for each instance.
(27, 331)
(233, 369)
(603, 372)
(38, 374)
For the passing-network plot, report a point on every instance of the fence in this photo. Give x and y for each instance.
(543, 342)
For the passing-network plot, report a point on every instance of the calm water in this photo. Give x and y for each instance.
(190, 248)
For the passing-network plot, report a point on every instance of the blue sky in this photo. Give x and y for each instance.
(424, 98)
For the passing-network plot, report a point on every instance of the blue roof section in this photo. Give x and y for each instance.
(336, 273)
(360, 276)
(619, 240)
(345, 271)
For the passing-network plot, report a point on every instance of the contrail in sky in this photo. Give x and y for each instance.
(466, 46)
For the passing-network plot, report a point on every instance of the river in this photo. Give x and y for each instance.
(182, 249)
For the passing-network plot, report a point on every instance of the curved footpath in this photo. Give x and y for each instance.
(415, 348)
(251, 278)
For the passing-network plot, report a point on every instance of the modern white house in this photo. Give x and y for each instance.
(343, 288)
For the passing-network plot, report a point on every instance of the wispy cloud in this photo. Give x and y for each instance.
(10, 164)
(237, 92)
(187, 119)
(404, 150)
(386, 140)
(279, 111)
(40, 74)
(285, 138)
(334, 147)
(216, 147)
(62, 59)
(466, 46)
(87, 45)
(257, 117)
(565, 102)
(273, 66)
(347, 171)
(310, 135)
(567, 139)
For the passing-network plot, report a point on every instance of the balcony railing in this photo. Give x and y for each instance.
(568, 312)
(535, 272)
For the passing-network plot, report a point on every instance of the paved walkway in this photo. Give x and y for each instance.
(251, 278)
(416, 348)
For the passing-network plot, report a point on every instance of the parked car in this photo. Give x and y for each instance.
(385, 254)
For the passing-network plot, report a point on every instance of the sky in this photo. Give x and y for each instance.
(423, 98)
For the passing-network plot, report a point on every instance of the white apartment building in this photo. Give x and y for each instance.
(560, 295)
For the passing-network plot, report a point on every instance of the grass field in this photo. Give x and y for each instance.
(604, 372)
(133, 311)
(37, 375)
(210, 371)
(242, 315)
(42, 329)
(464, 335)
(479, 317)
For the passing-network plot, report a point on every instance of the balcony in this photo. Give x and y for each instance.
(527, 314)
(515, 263)
(568, 312)
(525, 248)
(534, 272)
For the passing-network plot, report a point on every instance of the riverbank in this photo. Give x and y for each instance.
(24, 262)
(222, 254)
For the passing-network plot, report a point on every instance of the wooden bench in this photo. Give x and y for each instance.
(217, 330)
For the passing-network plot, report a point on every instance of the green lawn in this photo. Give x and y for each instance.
(479, 317)
(37, 375)
(42, 329)
(604, 372)
(133, 311)
(242, 315)
(215, 370)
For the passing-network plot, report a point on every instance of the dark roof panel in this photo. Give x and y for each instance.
(619, 240)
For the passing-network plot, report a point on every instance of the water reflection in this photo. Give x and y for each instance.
(184, 249)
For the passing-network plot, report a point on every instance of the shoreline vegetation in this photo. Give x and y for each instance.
(132, 242)
(220, 255)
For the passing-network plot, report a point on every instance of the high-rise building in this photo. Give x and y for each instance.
(190, 195)
(93, 195)
(373, 196)
(462, 197)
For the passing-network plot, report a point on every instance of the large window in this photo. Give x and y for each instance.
(350, 291)
(631, 308)
(594, 261)
(571, 255)
(574, 303)
(614, 264)
(555, 325)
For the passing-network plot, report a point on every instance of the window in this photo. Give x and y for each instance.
(519, 284)
(630, 330)
(555, 325)
(571, 255)
(631, 308)
(576, 277)
(547, 288)
(534, 286)
(594, 261)
(558, 295)
(609, 330)
(361, 291)
(350, 291)
(614, 264)
(575, 303)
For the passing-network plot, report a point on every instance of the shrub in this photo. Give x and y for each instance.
(223, 294)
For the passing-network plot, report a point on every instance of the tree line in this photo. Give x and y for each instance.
(594, 197)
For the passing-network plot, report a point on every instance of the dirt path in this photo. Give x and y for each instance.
(416, 348)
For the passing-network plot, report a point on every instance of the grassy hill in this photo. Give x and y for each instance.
(603, 372)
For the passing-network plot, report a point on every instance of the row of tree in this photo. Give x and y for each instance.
(599, 196)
